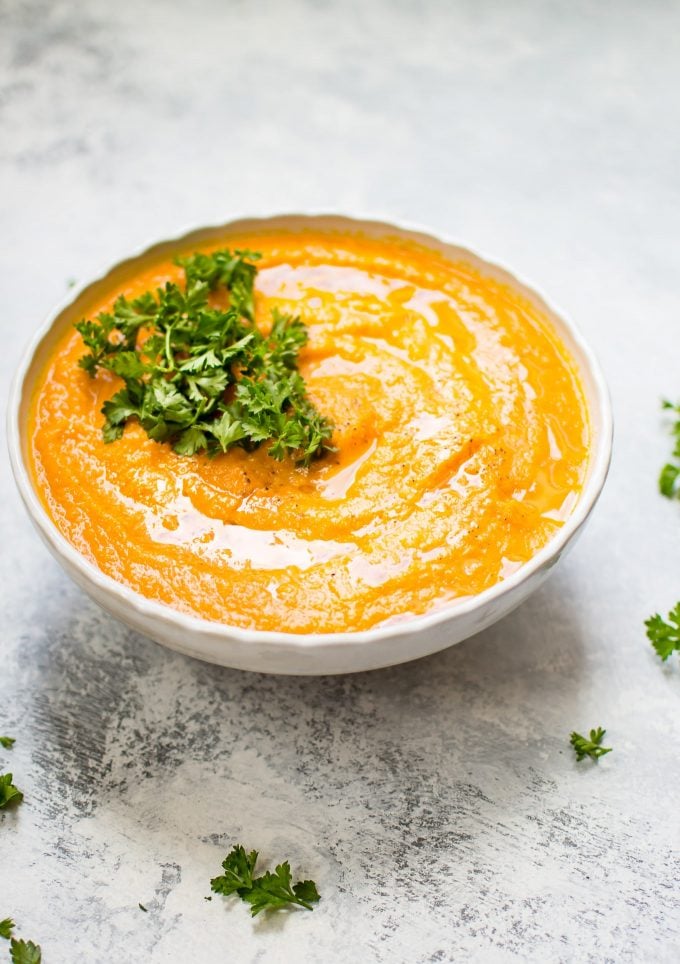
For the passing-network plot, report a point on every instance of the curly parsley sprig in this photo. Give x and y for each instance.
(269, 892)
(589, 746)
(202, 378)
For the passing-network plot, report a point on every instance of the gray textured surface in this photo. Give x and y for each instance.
(437, 805)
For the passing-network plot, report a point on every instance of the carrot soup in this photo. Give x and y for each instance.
(459, 447)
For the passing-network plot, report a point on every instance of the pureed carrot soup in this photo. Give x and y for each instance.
(460, 438)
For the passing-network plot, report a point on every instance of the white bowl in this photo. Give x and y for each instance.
(318, 653)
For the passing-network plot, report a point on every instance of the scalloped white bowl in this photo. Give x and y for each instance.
(289, 653)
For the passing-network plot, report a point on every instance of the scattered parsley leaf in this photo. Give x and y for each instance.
(589, 747)
(306, 892)
(7, 742)
(6, 927)
(238, 872)
(8, 792)
(664, 636)
(271, 891)
(669, 478)
(205, 379)
(142, 907)
(25, 952)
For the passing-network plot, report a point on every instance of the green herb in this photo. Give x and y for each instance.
(6, 927)
(7, 741)
(8, 792)
(142, 907)
(669, 479)
(269, 892)
(664, 636)
(224, 269)
(589, 747)
(25, 952)
(202, 378)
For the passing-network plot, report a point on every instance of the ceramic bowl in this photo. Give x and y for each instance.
(323, 653)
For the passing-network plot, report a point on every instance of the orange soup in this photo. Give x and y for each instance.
(461, 442)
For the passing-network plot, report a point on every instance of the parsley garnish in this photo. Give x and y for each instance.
(664, 636)
(7, 742)
(6, 927)
(589, 747)
(669, 479)
(25, 952)
(234, 271)
(269, 892)
(202, 378)
(8, 792)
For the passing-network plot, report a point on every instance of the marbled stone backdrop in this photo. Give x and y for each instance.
(438, 804)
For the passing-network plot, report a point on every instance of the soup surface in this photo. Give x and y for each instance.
(461, 438)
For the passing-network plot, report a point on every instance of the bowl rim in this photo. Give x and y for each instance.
(599, 410)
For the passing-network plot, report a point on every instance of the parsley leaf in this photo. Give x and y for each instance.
(669, 478)
(7, 742)
(6, 927)
(231, 270)
(271, 891)
(25, 952)
(8, 792)
(201, 378)
(238, 872)
(664, 636)
(589, 747)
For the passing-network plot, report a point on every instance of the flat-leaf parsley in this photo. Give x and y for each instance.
(669, 478)
(8, 792)
(206, 378)
(589, 746)
(271, 891)
(664, 635)
(25, 952)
